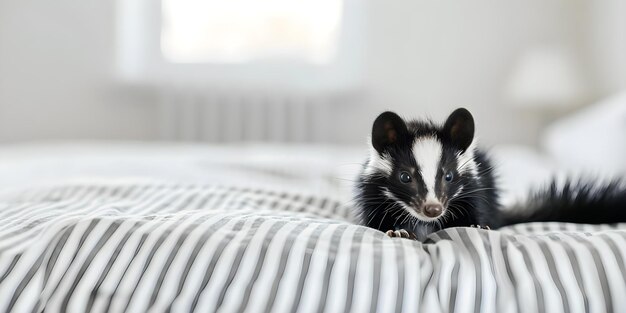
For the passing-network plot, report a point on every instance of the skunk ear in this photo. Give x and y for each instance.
(388, 129)
(459, 129)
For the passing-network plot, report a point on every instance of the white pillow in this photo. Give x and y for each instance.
(591, 141)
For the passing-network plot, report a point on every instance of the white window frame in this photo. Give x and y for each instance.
(140, 61)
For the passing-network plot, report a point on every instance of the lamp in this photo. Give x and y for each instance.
(546, 78)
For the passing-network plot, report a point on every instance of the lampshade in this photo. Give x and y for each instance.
(546, 78)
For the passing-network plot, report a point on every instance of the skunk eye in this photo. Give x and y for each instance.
(405, 177)
(449, 176)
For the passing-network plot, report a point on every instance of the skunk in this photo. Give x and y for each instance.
(421, 177)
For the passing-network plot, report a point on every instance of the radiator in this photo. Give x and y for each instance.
(235, 115)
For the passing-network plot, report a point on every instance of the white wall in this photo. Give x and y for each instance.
(424, 57)
(56, 74)
(429, 57)
(606, 44)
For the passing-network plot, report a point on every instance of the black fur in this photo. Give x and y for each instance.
(471, 198)
(458, 130)
(389, 129)
(572, 202)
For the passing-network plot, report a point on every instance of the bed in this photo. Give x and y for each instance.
(135, 227)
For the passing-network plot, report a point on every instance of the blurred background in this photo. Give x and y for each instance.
(284, 91)
(312, 70)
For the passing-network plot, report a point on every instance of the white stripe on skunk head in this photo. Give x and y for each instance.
(427, 152)
(421, 166)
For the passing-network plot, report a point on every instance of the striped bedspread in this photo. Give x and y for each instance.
(111, 247)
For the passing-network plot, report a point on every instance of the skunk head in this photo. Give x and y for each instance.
(421, 167)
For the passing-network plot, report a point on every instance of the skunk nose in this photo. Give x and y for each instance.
(432, 209)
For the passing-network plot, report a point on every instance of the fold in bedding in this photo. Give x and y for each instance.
(161, 247)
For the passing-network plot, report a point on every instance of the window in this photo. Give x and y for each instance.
(277, 43)
(239, 31)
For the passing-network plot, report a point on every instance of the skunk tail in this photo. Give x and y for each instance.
(573, 202)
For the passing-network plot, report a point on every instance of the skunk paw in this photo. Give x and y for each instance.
(401, 233)
(481, 227)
